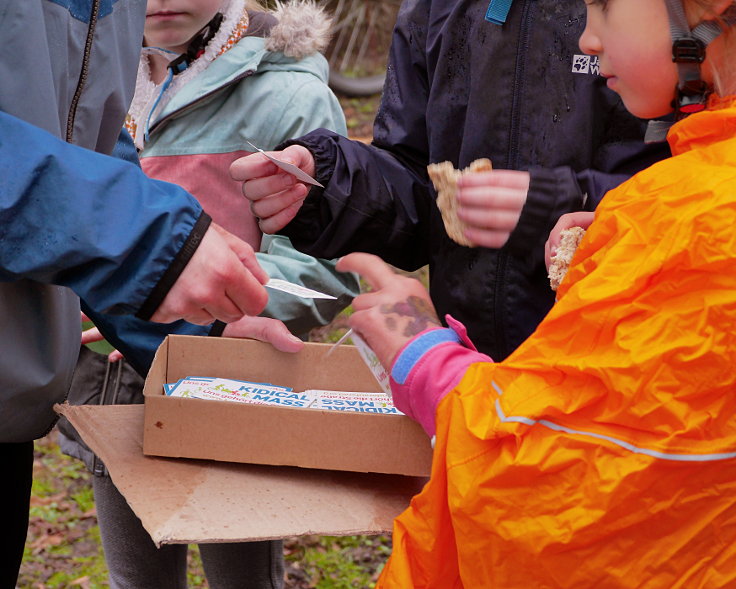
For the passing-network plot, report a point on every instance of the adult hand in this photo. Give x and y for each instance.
(580, 219)
(221, 281)
(490, 204)
(397, 309)
(267, 330)
(275, 196)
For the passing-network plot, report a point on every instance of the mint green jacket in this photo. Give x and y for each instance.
(253, 92)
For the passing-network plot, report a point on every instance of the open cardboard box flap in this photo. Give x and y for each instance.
(202, 501)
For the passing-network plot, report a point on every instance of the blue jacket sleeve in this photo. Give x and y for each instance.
(138, 340)
(90, 222)
(125, 149)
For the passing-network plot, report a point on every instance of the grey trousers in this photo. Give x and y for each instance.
(134, 562)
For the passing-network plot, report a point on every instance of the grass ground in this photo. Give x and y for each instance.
(63, 548)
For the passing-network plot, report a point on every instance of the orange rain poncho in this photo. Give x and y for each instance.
(602, 453)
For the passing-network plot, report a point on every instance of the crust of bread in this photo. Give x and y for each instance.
(444, 176)
(569, 241)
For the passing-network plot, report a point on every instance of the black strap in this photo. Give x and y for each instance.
(198, 44)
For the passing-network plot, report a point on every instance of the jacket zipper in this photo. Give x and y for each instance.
(512, 160)
(78, 94)
(85, 71)
(194, 103)
(520, 70)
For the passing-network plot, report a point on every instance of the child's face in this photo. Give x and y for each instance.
(632, 41)
(172, 23)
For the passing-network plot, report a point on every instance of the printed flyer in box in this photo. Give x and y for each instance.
(242, 391)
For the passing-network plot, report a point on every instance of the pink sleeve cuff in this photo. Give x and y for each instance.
(429, 367)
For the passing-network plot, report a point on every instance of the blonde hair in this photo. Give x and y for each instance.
(723, 66)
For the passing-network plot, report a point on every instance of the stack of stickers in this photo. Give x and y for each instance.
(242, 391)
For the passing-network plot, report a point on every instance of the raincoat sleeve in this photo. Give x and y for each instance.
(138, 340)
(428, 367)
(554, 192)
(125, 149)
(93, 223)
(313, 105)
(377, 197)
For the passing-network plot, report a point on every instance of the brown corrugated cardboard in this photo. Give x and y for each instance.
(194, 501)
(265, 434)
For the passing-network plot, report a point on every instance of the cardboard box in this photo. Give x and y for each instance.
(193, 501)
(265, 434)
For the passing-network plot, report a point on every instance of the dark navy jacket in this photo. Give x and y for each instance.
(459, 88)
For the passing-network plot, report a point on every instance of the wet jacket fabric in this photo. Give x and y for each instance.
(602, 453)
(73, 223)
(459, 88)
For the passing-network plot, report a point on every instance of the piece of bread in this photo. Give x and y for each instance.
(569, 241)
(444, 176)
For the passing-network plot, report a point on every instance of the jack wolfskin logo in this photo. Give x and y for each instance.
(585, 64)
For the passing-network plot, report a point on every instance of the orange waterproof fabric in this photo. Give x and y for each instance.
(602, 453)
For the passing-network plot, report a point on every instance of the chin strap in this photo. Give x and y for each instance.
(197, 45)
(688, 52)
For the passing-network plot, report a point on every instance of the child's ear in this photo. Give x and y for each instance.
(717, 9)
(698, 12)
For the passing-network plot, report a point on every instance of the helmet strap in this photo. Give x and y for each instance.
(197, 45)
(688, 52)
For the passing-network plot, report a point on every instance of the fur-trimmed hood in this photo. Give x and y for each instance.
(302, 28)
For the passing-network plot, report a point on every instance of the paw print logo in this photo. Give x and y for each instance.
(581, 64)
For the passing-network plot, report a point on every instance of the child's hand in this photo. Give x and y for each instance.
(397, 309)
(490, 204)
(275, 196)
(580, 219)
(93, 335)
(267, 330)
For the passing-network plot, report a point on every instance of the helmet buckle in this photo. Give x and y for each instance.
(688, 50)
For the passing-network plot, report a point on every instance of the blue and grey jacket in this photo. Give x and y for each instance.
(73, 222)
(459, 88)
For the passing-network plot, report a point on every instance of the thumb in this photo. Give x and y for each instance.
(267, 330)
(300, 156)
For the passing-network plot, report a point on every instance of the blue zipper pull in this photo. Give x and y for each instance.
(161, 93)
(498, 11)
(169, 76)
